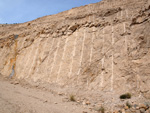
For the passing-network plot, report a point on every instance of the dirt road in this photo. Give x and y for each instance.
(14, 98)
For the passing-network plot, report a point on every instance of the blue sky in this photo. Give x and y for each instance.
(19, 11)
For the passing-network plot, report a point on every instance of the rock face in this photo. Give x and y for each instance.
(102, 47)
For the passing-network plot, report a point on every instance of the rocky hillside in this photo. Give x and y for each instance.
(98, 51)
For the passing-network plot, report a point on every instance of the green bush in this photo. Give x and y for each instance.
(125, 96)
(101, 110)
(128, 104)
(72, 98)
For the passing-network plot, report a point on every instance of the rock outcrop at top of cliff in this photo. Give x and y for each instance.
(99, 50)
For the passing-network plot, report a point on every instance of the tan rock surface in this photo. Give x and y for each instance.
(98, 51)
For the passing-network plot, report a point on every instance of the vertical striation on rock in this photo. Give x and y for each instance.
(102, 47)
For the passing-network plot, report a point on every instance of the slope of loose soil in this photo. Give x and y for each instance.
(15, 98)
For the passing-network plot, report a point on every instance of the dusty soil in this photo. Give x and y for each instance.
(15, 98)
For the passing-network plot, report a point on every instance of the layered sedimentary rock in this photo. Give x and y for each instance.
(103, 47)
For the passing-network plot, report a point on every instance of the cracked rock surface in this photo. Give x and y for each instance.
(96, 52)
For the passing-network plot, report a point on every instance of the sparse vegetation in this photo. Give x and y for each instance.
(72, 98)
(125, 96)
(128, 104)
(101, 110)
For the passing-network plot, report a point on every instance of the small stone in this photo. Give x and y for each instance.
(137, 108)
(119, 111)
(60, 94)
(126, 107)
(90, 108)
(84, 112)
(142, 110)
(45, 101)
(87, 25)
(83, 103)
(69, 33)
(135, 105)
(115, 112)
(147, 111)
(88, 103)
(128, 111)
(123, 110)
(74, 27)
(137, 111)
(132, 110)
(15, 83)
(78, 101)
(143, 106)
(96, 108)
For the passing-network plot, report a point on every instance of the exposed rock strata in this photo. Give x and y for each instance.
(102, 47)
